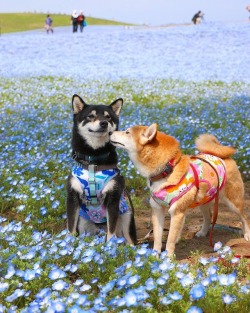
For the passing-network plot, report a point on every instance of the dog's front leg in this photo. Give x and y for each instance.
(73, 203)
(112, 194)
(158, 219)
(176, 225)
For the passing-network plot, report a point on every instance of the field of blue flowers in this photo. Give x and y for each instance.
(189, 80)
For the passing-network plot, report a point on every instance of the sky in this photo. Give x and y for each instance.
(152, 12)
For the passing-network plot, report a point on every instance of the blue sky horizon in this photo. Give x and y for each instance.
(154, 12)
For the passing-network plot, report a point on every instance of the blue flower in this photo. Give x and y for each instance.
(60, 285)
(43, 211)
(165, 266)
(29, 275)
(175, 296)
(203, 261)
(10, 272)
(108, 287)
(194, 309)
(3, 286)
(206, 281)
(226, 280)
(245, 289)
(150, 284)
(85, 287)
(56, 273)
(59, 306)
(197, 292)
(122, 281)
(235, 260)
(82, 300)
(16, 294)
(142, 251)
(161, 281)
(217, 246)
(43, 293)
(78, 282)
(30, 255)
(186, 280)
(130, 298)
(166, 300)
(227, 299)
(212, 270)
(133, 279)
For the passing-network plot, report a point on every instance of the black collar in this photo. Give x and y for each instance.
(90, 159)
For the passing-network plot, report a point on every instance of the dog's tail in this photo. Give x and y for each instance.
(207, 143)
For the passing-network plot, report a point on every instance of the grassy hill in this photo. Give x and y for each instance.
(16, 22)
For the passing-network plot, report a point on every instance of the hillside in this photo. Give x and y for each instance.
(15, 22)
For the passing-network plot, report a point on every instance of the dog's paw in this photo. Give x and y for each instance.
(201, 233)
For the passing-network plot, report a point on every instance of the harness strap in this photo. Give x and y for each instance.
(196, 176)
(216, 202)
(92, 184)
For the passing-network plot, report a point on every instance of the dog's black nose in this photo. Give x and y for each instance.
(103, 124)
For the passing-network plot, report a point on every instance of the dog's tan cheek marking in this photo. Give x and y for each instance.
(93, 112)
(76, 185)
(112, 128)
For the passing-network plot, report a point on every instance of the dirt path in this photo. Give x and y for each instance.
(227, 230)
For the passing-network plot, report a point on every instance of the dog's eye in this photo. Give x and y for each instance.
(91, 116)
(127, 132)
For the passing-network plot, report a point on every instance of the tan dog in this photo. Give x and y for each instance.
(178, 181)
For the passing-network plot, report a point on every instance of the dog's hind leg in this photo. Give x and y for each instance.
(235, 206)
(233, 195)
(205, 209)
(73, 203)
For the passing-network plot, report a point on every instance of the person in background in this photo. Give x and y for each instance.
(198, 17)
(248, 9)
(81, 20)
(74, 17)
(48, 24)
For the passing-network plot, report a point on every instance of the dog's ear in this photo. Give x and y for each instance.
(116, 106)
(149, 134)
(77, 104)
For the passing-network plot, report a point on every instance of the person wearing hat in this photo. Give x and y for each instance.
(74, 17)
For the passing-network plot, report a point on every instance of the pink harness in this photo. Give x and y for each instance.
(194, 176)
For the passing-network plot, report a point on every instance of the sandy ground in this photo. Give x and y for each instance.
(227, 230)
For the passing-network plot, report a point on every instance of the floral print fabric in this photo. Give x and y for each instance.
(96, 213)
(206, 174)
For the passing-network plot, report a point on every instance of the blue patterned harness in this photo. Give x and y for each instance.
(93, 208)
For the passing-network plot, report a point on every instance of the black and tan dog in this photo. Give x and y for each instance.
(95, 188)
(178, 181)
